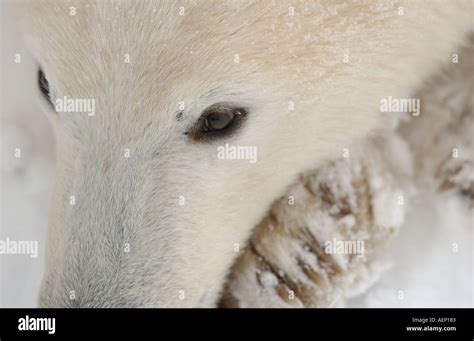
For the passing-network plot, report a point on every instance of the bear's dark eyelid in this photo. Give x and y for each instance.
(44, 86)
(200, 132)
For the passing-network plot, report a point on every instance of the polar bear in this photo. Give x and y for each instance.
(144, 212)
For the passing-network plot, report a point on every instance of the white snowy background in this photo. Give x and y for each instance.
(424, 272)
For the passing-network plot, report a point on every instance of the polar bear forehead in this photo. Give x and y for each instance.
(131, 52)
(189, 36)
(157, 50)
(157, 27)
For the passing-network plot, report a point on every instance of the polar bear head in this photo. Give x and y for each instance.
(177, 125)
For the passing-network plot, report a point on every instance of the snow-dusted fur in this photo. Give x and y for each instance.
(368, 196)
(292, 258)
(312, 82)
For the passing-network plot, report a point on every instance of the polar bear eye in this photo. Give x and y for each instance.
(44, 85)
(218, 121)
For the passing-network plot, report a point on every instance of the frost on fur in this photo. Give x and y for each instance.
(362, 198)
(289, 261)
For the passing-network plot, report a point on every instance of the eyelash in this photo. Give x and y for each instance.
(44, 86)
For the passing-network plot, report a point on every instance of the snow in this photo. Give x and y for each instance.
(25, 182)
(426, 270)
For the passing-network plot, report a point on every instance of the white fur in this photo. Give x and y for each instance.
(176, 249)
